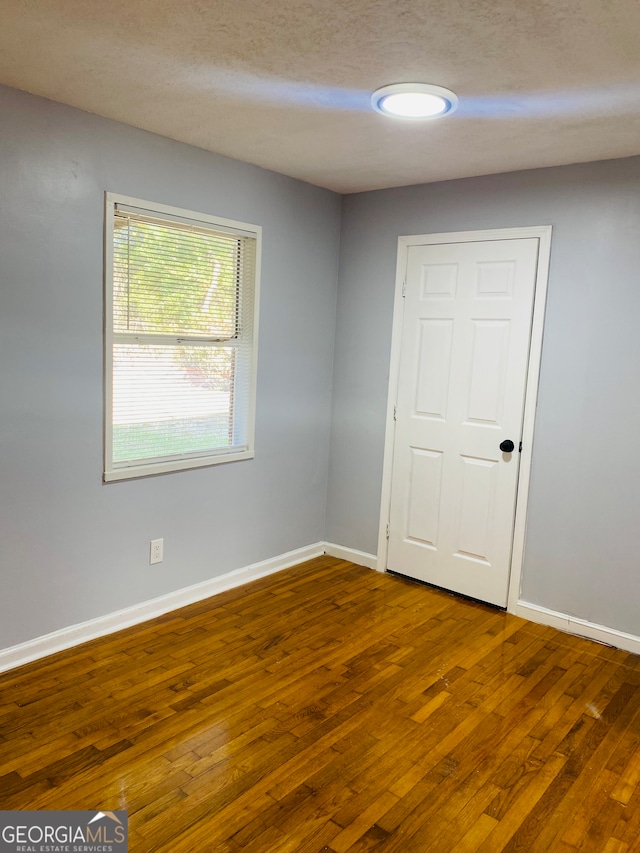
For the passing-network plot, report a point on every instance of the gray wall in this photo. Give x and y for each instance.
(72, 548)
(584, 506)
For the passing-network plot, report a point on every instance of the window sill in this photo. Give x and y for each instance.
(141, 470)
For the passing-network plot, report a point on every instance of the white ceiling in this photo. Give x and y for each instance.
(286, 84)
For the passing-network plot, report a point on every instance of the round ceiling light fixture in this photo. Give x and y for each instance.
(414, 100)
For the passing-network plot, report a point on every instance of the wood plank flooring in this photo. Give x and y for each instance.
(328, 709)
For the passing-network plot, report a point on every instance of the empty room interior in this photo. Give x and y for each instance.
(319, 406)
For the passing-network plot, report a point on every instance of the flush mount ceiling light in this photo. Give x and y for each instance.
(414, 100)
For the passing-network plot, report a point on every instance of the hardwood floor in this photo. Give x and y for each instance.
(332, 708)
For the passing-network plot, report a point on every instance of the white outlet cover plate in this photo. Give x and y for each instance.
(156, 550)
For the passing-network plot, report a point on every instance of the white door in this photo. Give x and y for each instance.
(463, 368)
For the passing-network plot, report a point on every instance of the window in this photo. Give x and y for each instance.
(181, 332)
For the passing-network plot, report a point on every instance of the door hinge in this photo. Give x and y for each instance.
(395, 413)
(387, 531)
(404, 288)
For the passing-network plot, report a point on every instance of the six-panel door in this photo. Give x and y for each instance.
(463, 368)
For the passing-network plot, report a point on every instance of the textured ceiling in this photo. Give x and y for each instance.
(286, 84)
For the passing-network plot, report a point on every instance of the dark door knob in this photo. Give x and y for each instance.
(507, 446)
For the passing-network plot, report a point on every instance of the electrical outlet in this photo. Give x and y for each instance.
(156, 551)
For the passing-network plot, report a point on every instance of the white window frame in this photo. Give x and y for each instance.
(177, 462)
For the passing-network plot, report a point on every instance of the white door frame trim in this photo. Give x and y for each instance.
(543, 234)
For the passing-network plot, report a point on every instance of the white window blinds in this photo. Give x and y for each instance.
(181, 339)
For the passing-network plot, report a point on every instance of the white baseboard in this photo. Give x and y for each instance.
(66, 638)
(74, 635)
(581, 627)
(360, 558)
